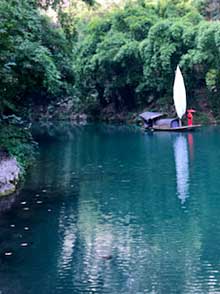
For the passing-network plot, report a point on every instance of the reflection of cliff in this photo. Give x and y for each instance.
(182, 167)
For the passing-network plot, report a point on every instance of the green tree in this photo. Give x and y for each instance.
(204, 60)
(34, 55)
(128, 58)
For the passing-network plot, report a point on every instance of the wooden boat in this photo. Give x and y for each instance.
(177, 129)
(154, 121)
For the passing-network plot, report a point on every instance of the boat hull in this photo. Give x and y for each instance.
(177, 129)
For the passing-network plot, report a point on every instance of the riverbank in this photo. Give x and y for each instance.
(64, 110)
(17, 140)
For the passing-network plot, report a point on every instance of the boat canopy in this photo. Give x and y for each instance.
(151, 115)
(168, 122)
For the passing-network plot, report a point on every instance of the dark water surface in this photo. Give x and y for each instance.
(112, 210)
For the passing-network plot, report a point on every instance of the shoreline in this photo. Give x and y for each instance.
(12, 171)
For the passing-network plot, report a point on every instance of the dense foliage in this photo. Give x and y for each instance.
(108, 63)
(34, 55)
(124, 57)
(128, 58)
(18, 142)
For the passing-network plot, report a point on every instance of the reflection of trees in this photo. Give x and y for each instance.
(125, 212)
(56, 165)
(147, 248)
(121, 227)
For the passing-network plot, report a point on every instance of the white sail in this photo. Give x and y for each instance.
(179, 94)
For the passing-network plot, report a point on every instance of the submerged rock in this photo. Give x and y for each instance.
(9, 175)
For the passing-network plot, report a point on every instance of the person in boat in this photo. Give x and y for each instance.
(190, 116)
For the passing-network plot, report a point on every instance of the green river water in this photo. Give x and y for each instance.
(109, 209)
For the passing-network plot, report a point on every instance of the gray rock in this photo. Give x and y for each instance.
(9, 175)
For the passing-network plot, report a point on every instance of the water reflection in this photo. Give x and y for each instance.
(67, 230)
(182, 166)
(115, 225)
(191, 147)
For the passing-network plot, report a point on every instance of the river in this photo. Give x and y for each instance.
(110, 209)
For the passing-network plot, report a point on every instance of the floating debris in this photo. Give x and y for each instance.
(24, 244)
(39, 202)
(26, 208)
(72, 186)
(23, 202)
(49, 210)
(12, 226)
(26, 228)
(8, 253)
(44, 191)
(37, 195)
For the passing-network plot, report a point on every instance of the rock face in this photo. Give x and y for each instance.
(63, 110)
(9, 175)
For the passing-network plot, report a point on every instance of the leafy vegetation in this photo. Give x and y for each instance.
(124, 57)
(18, 142)
(34, 58)
(128, 58)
